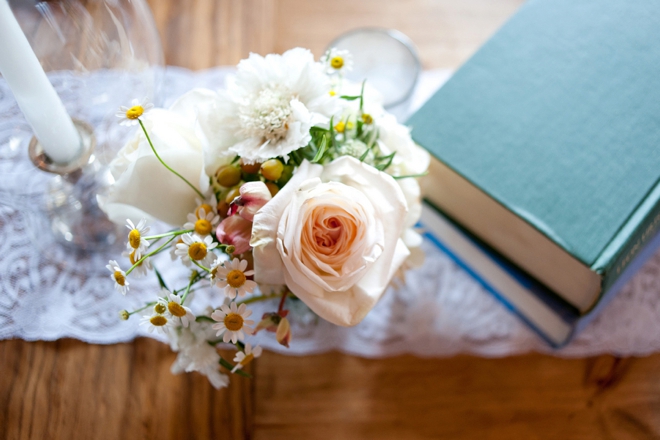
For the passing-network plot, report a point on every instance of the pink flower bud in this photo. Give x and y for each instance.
(269, 322)
(283, 334)
(253, 196)
(235, 231)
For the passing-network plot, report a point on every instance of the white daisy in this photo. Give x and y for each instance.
(204, 359)
(232, 277)
(201, 221)
(179, 312)
(245, 357)
(196, 248)
(232, 322)
(267, 109)
(136, 240)
(129, 115)
(140, 270)
(157, 322)
(337, 61)
(118, 276)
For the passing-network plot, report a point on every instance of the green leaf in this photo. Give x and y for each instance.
(362, 95)
(364, 155)
(229, 366)
(383, 167)
(350, 98)
(160, 279)
(316, 130)
(321, 151)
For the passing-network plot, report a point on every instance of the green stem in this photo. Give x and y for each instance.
(138, 262)
(149, 304)
(169, 234)
(164, 164)
(193, 280)
(407, 176)
(204, 318)
(200, 266)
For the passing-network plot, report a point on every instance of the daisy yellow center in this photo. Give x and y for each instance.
(120, 278)
(176, 309)
(134, 112)
(203, 226)
(158, 320)
(340, 127)
(332, 93)
(235, 278)
(160, 308)
(133, 260)
(233, 322)
(134, 238)
(366, 117)
(337, 62)
(197, 251)
(206, 207)
(267, 115)
(247, 359)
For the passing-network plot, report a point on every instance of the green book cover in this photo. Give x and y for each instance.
(557, 118)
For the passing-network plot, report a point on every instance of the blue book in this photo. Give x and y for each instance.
(550, 316)
(546, 143)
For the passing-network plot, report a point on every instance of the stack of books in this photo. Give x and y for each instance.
(547, 158)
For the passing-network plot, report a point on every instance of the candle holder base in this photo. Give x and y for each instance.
(69, 209)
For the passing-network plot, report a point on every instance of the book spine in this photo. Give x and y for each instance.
(640, 229)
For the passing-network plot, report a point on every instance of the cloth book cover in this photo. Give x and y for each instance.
(552, 318)
(555, 120)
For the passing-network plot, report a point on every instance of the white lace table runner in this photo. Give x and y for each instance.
(439, 310)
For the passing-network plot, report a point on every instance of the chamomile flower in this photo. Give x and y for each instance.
(157, 322)
(195, 248)
(136, 240)
(118, 276)
(142, 268)
(129, 115)
(337, 61)
(203, 358)
(232, 277)
(202, 221)
(245, 357)
(232, 322)
(179, 312)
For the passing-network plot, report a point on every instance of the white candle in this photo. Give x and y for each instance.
(36, 97)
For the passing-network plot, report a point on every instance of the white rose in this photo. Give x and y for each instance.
(332, 235)
(410, 158)
(143, 187)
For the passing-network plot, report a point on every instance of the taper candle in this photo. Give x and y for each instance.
(35, 95)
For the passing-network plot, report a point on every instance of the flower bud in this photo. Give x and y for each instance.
(228, 176)
(272, 169)
(283, 333)
(252, 168)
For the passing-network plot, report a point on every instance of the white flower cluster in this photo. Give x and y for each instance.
(292, 179)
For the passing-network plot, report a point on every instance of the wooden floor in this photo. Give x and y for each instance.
(71, 390)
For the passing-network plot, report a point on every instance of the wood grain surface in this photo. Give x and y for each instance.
(71, 390)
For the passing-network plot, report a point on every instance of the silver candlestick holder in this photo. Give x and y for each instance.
(68, 214)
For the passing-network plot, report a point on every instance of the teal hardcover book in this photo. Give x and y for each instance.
(548, 141)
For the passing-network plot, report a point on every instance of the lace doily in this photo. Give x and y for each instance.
(439, 310)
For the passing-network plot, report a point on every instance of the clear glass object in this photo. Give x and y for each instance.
(98, 54)
(387, 59)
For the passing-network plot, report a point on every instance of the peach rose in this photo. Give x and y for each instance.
(332, 236)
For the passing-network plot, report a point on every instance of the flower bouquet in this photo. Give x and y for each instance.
(292, 185)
